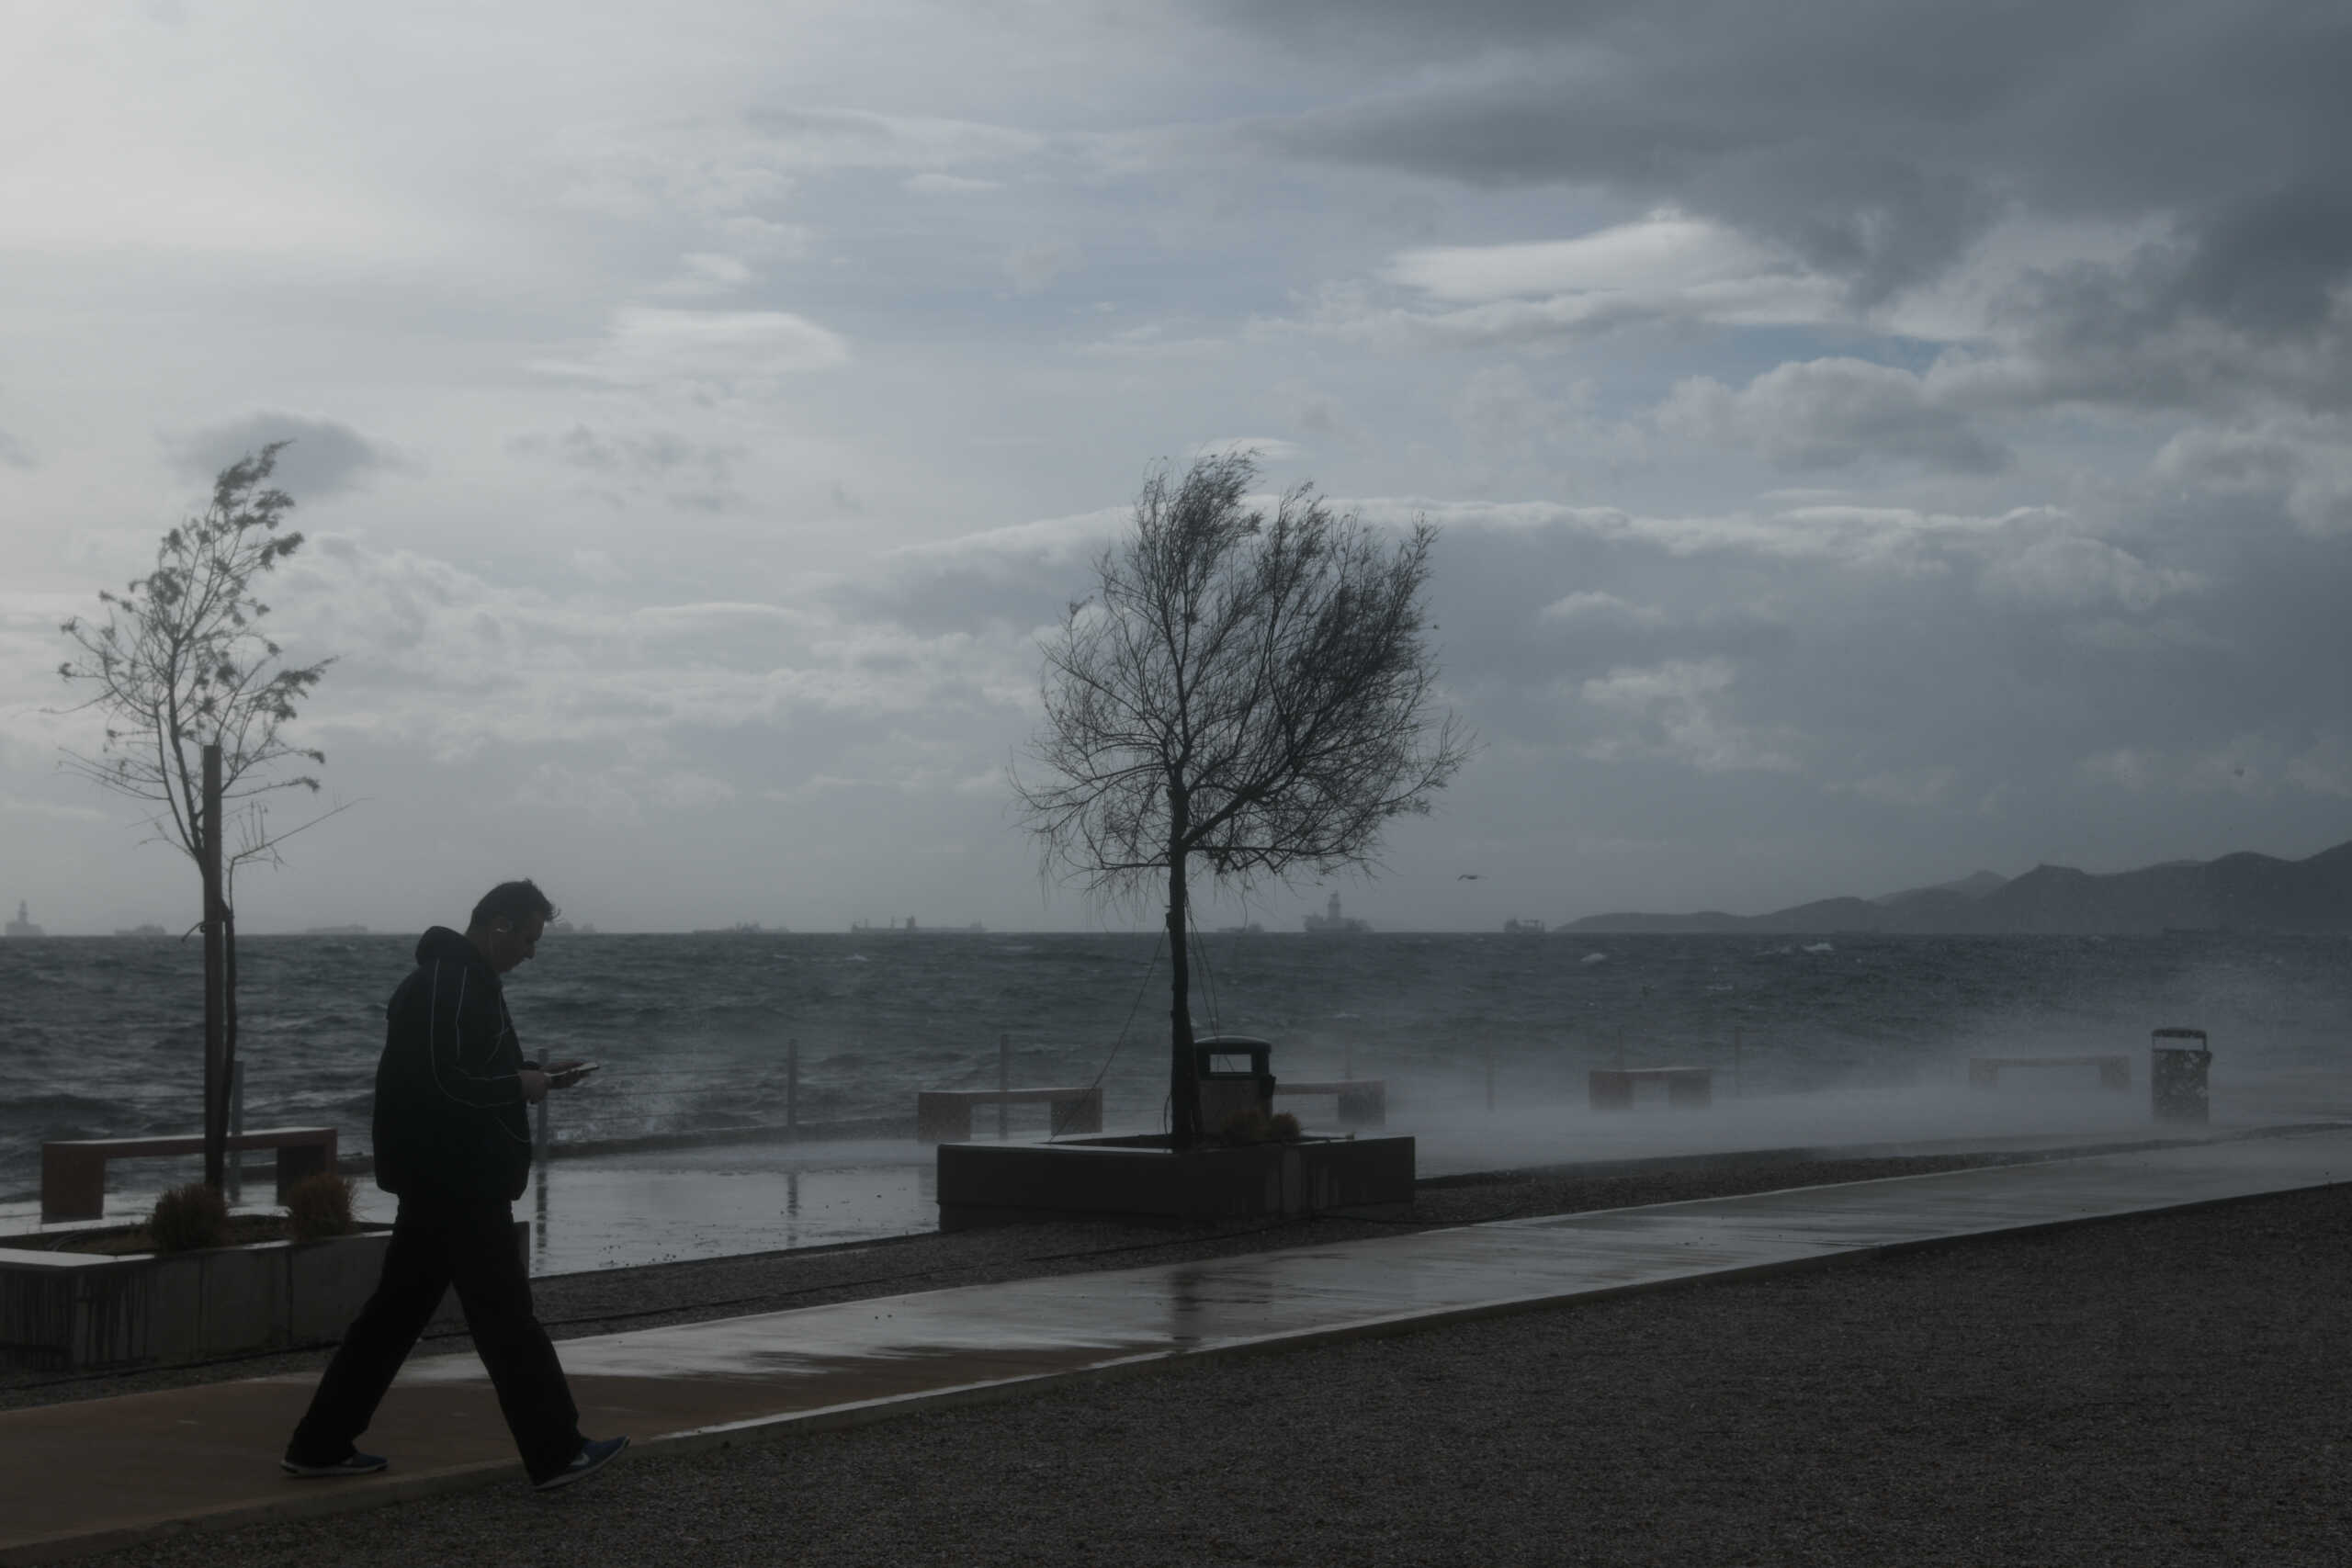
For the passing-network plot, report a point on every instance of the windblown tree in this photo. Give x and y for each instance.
(1252, 694)
(178, 667)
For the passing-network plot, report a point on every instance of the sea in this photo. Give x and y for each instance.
(101, 1036)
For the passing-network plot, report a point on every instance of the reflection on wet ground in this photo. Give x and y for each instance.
(619, 1211)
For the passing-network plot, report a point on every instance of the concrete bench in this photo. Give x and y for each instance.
(74, 1170)
(1611, 1088)
(2114, 1070)
(1363, 1102)
(944, 1115)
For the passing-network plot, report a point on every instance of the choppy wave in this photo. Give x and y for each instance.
(100, 1037)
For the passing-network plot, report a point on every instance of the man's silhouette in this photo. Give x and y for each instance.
(453, 1143)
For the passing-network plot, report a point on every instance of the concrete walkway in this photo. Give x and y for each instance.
(84, 1476)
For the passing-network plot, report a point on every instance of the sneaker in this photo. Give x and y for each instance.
(593, 1457)
(354, 1463)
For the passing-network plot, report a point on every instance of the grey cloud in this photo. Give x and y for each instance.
(1827, 413)
(2255, 308)
(2071, 572)
(1032, 267)
(692, 475)
(326, 456)
(1589, 606)
(2305, 464)
(1967, 653)
(2239, 459)
(1023, 575)
(647, 451)
(737, 166)
(12, 452)
(2270, 263)
(1500, 408)
(1876, 140)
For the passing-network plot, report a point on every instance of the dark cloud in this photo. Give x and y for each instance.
(325, 456)
(2268, 264)
(1877, 140)
(2255, 308)
(12, 452)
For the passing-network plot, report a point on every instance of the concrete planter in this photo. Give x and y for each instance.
(74, 1311)
(984, 1184)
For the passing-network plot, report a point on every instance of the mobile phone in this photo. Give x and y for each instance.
(574, 1075)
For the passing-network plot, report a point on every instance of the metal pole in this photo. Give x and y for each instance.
(216, 1105)
(1738, 1081)
(539, 1132)
(1003, 1082)
(792, 1084)
(1490, 1077)
(236, 1130)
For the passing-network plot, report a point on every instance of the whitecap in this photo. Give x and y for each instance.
(1596, 958)
(1819, 947)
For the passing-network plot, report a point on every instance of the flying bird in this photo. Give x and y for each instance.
(1466, 876)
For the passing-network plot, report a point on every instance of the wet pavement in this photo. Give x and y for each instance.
(610, 1210)
(84, 1475)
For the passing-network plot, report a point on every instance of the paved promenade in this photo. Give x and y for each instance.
(87, 1475)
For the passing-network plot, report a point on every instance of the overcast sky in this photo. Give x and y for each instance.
(1872, 441)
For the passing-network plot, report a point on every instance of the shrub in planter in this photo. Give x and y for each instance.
(1251, 1126)
(189, 1217)
(1245, 1126)
(319, 1206)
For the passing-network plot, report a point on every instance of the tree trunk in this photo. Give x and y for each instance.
(1183, 1083)
(216, 1074)
(228, 1024)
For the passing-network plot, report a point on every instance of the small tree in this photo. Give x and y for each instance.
(1253, 693)
(179, 667)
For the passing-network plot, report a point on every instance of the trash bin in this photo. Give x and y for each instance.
(1236, 1074)
(2178, 1061)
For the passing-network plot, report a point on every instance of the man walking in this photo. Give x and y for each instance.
(453, 1143)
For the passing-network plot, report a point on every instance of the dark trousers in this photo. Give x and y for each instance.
(435, 1246)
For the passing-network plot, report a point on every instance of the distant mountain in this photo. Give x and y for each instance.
(2237, 892)
(1973, 886)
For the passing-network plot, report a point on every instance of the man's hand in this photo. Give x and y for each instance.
(535, 1085)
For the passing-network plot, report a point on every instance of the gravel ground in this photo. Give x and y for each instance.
(608, 1301)
(2159, 1390)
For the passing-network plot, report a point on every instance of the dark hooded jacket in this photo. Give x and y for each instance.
(450, 1123)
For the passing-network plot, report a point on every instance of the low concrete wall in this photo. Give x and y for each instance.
(74, 1311)
(982, 1184)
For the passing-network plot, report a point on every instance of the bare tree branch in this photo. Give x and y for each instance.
(1254, 691)
(180, 661)
(180, 664)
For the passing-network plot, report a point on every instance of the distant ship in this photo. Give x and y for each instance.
(565, 928)
(335, 930)
(23, 924)
(1330, 923)
(741, 928)
(149, 929)
(1522, 928)
(860, 928)
(1252, 929)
